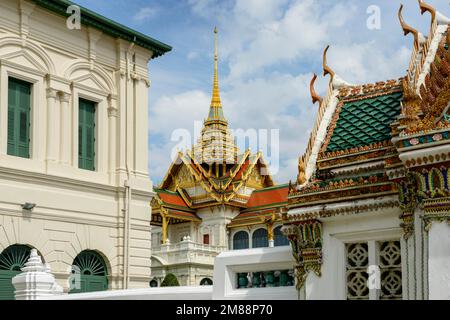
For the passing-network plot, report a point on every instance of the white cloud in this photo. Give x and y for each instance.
(178, 111)
(192, 55)
(144, 14)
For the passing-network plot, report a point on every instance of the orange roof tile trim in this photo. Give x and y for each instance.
(172, 199)
(267, 197)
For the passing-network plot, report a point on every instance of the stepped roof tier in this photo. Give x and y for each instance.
(214, 173)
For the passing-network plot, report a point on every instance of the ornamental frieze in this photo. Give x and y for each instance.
(367, 89)
(350, 210)
(346, 157)
(431, 137)
(306, 243)
(353, 192)
(436, 210)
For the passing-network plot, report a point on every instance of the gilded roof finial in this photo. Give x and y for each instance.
(315, 97)
(407, 29)
(326, 68)
(424, 7)
(215, 112)
(216, 92)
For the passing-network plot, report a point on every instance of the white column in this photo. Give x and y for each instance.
(439, 261)
(419, 261)
(405, 268)
(373, 261)
(3, 111)
(35, 281)
(52, 123)
(66, 130)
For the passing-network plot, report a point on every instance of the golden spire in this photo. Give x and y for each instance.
(216, 112)
(216, 92)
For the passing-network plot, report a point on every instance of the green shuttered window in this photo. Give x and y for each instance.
(86, 135)
(19, 105)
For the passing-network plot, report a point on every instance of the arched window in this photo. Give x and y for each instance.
(12, 260)
(260, 239)
(206, 282)
(280, 238)
(89, 273)
(240, 240)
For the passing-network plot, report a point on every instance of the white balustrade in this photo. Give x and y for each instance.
(36, 282)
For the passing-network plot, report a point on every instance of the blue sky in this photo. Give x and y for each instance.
(268, 50)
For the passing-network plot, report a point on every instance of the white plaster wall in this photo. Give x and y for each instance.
(228, 264)
(378, 225)
(439, 261)
(168, 293)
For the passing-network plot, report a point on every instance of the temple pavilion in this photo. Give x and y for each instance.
(368, 216)
(213, 198)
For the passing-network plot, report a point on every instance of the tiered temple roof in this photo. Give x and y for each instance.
(215, 173)
(367, 138)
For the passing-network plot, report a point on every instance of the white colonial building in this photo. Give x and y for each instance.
(74, 180)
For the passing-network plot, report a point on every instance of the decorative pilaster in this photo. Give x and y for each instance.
(408, 204)
(306, 242)
(25, 9)
(52, 123)
(270, 235)
(65, 128)
(112, 136)
(165, 224)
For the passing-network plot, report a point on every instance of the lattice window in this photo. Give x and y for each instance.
(357, 276)
(391, 270)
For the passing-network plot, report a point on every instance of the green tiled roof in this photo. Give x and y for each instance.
(365, 122)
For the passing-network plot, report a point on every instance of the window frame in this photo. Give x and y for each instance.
(37, 134)
(372, 238)
(101, 147)
(248, 239)
(95, 135)
(253, 240)
(18, 113)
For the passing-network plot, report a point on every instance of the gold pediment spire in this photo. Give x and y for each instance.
(216, 112)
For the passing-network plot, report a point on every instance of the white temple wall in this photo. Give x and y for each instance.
(214, 223)
(370, 227)
(439, 261)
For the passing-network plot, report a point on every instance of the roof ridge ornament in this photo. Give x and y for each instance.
(315, 97)
(407, 29)
(336, 81)
(326, 68)
(424, 7)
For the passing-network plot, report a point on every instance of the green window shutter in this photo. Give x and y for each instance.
(19, 104)
(86, 135)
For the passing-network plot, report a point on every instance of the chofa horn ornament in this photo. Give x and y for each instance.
(407, 29)
(326, 68)
(315, 97)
